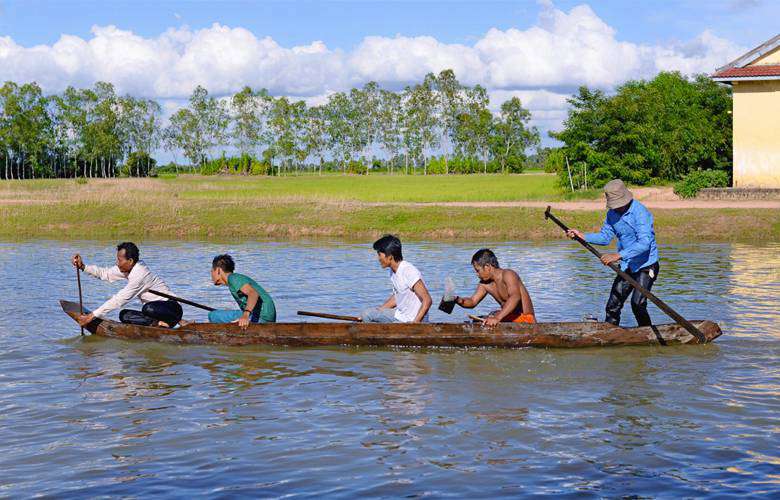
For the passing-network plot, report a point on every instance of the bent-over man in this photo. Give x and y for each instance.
(255, 304)
(504, 285)
(156, 311)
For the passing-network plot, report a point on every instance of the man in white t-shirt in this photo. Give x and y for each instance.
(410, 300)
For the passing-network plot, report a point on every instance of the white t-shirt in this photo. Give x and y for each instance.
(407, 304)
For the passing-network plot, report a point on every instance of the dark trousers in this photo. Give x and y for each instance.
(621, 289)
(168, 311)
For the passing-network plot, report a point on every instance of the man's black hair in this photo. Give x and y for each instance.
(131, 251)
(389, 245)
(484, 257)
(224, 262)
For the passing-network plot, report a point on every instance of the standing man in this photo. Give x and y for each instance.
(156, 311)
(632, 224)
(410, 300)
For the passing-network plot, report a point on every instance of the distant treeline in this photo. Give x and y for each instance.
(662, 129)
(436, 126)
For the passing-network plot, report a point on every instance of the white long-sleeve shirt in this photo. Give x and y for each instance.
(140, 279)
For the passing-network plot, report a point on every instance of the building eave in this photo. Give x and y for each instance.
(745, 78)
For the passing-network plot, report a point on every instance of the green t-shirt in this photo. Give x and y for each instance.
(265, 304)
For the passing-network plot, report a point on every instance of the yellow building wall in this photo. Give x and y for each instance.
(771, 58)
(757, 134)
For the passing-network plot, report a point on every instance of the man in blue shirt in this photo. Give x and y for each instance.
(632, 224)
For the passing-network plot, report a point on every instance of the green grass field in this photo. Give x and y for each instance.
(377, 188)
(245, 208)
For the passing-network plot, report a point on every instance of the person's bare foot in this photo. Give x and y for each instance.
(163, 324)
(185, 322)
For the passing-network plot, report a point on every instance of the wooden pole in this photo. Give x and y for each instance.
(81, 300)
(183, 301)
(571, 183)
(655, 300)
(586, 176)
(329, 316)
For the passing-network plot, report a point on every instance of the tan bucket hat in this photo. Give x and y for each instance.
(617, 194)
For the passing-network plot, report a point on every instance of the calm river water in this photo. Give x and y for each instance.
(89, 416)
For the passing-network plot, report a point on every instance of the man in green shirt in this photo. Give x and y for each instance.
(255, 303)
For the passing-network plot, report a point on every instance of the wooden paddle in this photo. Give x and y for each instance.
(81, 300)
(183, 301)
(631, 281)
(476, 318)
(329, 316)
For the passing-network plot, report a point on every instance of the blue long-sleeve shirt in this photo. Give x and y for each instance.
(635, 234)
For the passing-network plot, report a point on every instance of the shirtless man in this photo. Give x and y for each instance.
(505, 286)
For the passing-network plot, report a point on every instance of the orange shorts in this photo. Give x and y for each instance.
(520, 318)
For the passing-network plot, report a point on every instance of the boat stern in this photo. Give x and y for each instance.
(710, 329)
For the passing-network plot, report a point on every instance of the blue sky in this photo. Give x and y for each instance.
(345, 23)
(539, 51)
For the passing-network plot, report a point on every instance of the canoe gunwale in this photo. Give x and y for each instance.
(506, 335)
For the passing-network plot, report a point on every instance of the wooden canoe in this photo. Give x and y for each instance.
(509, 335)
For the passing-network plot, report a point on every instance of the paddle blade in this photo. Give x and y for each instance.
(447, 303)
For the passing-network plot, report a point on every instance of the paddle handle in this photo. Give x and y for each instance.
(81, 300)
(183, 301)
(476, 318)
(329, 316)
(631, 281)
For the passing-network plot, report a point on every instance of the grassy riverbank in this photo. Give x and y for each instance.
(192, 207)
(328, 188)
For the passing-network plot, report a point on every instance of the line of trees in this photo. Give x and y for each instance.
(81, 132)
(96, 133)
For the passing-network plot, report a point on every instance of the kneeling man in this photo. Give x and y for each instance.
(156, 311)
(255, 304)
(410, 300)
(504, 285)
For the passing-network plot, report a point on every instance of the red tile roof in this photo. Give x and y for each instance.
(749, 71)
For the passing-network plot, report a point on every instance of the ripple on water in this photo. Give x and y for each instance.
(89, 416)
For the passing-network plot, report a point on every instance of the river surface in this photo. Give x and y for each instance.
(97, 417)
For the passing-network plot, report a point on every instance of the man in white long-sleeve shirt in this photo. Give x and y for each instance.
(156, 311)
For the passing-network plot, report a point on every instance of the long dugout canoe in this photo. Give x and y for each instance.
(506, 335)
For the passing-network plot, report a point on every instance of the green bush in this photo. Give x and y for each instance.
(593, 169)
(436, 165)
(357, 167)
(212, 167)
(173, 168)
(139, 165)
(514, 165)
(261, 168)
(237, 165)
(697, 180)
(466, 165)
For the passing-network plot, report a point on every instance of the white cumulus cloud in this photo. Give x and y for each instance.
(541, 64)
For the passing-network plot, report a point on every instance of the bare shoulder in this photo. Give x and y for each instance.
(510, 275)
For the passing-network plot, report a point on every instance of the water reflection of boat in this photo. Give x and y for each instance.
(511, 335)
